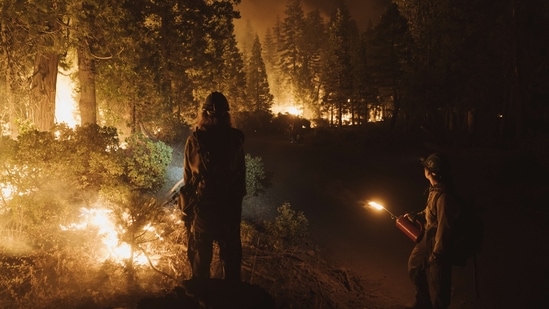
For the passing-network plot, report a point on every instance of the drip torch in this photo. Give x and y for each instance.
(173, 194)
(410, 227)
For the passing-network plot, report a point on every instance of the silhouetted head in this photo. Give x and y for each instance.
(437, 165)
(216, 103)
(215, 111)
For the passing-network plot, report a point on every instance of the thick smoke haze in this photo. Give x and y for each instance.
(262, 14)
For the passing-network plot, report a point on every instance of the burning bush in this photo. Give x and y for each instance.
(78, 220)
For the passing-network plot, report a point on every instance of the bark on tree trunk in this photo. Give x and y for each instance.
(44, 82)
(86, 75)
(9, 77)
(10, 102)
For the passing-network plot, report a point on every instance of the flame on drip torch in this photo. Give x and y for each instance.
(376, 205)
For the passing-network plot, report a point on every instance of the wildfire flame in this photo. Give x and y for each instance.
(66, 110)
(293, 110)
(6, 190)
(112, 247)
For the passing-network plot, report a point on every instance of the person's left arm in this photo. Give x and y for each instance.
(445, 210)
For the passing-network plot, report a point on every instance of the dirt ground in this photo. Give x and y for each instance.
(329, 177)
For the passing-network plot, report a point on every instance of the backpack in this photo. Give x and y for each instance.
(222, 168)
(220, 171)
(468, 233)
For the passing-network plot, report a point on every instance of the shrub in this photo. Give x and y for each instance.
(288, 228)
(257, 179)
(146, 162)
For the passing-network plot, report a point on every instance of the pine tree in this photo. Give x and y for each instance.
(272, 49)
(291, 49)
(258, 84)
(337, 65)
(389, 57)
(309, 83)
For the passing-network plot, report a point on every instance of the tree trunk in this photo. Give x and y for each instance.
(86, 75)
(44, 82)
(10, 102)
(396, 110)
(8, 77)
(516, 96)
(340, 113)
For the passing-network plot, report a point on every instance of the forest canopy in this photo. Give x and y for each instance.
(443, 67)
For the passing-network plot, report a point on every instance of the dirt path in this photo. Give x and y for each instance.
(327, 181)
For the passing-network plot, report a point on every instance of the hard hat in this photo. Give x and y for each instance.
(436, 163)
(216, 103)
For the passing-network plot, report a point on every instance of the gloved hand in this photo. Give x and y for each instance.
(411, 216)
(187, 220)
(435, 258)
(416, 216)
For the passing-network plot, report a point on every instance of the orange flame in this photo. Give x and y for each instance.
(376, 205)
(112, 247)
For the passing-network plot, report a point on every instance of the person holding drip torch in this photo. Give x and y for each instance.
(429, 265)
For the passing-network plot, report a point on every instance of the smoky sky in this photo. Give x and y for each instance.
(262, 14)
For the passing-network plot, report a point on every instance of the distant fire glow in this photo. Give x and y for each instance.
(65, 102)
(101, 220)
(293, 110)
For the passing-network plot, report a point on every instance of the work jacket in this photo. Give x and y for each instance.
(441, 213)
(214, 164)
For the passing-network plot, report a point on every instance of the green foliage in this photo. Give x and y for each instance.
(289, 227)
(256, 178)
(146, 162)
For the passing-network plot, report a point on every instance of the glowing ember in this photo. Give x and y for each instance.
(113, 247)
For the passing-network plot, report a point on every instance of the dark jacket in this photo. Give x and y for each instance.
(441, 213)
(214, 163)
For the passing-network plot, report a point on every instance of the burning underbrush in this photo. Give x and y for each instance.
(79, 223)
(95, 267)
(98, 260)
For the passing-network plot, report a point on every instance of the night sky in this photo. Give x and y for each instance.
(262, 13)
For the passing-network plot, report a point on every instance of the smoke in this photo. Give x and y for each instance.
(262, 14)
(14, 246)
